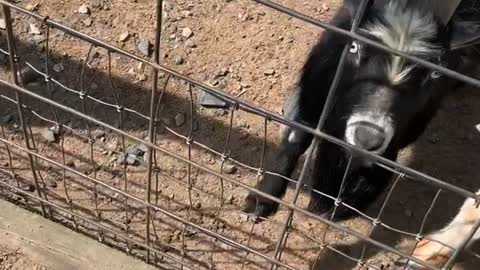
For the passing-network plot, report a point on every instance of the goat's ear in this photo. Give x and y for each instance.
(464, 34)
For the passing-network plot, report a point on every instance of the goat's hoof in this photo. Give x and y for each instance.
(258, 207)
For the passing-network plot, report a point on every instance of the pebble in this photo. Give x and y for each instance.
(2, 24)
(187, 32)
(34, 29)
(83, 9)
(178, 60)
(58, 67)
(49, 135)
(32, 7)
(131, 160)
(7, 118)
(230, 169)
(209, 101)
(167, 121)
(408, 213)
(190, 44)
(134, 151)
(96, 3)
(197, 205)
(230, 199)
(39, 39)
(124, 36)
(142, 147)
(29, 75)
(478, 127)
(88, 22)
(269, 72)
(171, 196)
(28, 187)
(70, 163)
(144, 47)
(98, 133)
(179, 119)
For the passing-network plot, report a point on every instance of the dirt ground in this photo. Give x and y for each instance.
(13, 260)
(245, 50)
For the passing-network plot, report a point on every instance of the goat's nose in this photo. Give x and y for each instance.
(369, 137)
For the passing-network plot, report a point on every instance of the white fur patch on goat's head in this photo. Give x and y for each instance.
(406, 29)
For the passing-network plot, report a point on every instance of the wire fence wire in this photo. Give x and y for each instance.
(130, 209)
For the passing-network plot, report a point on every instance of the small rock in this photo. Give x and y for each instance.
(134, 151)
(167, 121)
(408, 213)
(187, 32)
(29, 75)
(4, 164)
(49, 135)
(38, 39)
(2, 24)
(58, 67)
(230, 169)
(171, 196)
(179, 119)
(197, 205)
(96, 3)
(142, 147)
(32, 6)
(70, 163)
(28, 187)
(178, 60)
(124, 36)
(209, 101)
(144, 47)
(7, 118)
(88, 22)
(269, 72)
(131, 160)
(222, 73)
(478, 127)
(98, 133)
(34, 29)
(230, 199)
(190, 44)
(83, 9)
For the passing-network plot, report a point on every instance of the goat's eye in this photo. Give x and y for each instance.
(435, 75)
(353, 48)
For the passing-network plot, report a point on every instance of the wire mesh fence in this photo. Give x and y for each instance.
(180, 209)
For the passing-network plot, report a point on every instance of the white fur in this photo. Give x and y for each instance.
(382, 121)
(451, 236)
(406, 30)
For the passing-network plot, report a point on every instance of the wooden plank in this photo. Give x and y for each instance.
(57, 247)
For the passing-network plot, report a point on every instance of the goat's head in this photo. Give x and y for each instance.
(390, 97)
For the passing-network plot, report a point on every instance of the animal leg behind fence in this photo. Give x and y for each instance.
(293, 144)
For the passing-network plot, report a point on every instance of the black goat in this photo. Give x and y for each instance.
(383, 102)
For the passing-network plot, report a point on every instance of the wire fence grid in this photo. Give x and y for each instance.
(130, 210)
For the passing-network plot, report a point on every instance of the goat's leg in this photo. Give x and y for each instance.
(293, 144)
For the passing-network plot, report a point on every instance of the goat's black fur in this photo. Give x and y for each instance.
(412, 105)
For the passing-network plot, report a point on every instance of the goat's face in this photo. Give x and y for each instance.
(386, 93)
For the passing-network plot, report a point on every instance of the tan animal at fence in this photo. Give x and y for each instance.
(437, 247)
